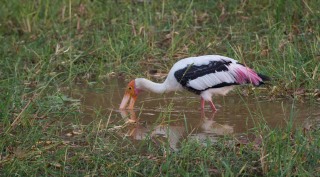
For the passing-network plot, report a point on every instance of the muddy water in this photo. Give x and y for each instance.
(177, 115)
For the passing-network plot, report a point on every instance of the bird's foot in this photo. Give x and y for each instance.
(213, 107)
(203, 115)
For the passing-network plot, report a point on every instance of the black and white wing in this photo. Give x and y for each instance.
(203, 75)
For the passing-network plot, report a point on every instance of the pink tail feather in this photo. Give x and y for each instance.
(246, 75)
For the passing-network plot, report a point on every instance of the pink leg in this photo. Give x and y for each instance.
(202, 108)
(213, 107)
(202, 104)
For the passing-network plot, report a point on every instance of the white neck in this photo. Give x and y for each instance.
(147, 85)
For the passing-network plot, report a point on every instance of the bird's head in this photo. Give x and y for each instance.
(131, 94)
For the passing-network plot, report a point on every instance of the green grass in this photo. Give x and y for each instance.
(46, 46)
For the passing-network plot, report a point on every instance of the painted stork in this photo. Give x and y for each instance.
(204, 75)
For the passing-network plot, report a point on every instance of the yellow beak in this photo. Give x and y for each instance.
(125, 101)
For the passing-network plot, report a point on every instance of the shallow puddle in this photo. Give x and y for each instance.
(177, 115)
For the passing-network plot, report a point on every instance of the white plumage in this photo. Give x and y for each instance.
(210, 80)
(204, 75)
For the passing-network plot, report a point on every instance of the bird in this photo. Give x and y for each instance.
(205, 75)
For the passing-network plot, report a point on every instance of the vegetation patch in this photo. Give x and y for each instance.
(47, 46)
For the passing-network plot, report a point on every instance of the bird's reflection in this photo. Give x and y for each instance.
(211, 126)
(173, 133)
(129, 115)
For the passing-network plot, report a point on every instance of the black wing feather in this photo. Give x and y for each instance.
(191, 72)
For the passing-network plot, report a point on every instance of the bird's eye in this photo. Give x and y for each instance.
(130, 88)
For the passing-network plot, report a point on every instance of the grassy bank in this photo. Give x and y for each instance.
(100, 151)
(94, 39)
(48, 45)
